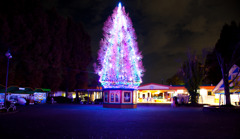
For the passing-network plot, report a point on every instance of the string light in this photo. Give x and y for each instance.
(120, 64)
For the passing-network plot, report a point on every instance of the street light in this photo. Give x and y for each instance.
(9, 56)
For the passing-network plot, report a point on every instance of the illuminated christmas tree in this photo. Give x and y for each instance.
(119, 58)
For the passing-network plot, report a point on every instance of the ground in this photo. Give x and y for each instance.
(72, 121)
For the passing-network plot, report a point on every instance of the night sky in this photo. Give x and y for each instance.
(166, 29)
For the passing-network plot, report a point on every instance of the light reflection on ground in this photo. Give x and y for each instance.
(93, 121)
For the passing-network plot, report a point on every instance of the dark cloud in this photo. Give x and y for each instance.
(166, 29)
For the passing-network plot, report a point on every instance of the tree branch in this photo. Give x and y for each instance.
(234, 54)
(220, 61)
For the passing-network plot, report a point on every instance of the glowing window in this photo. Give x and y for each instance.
(117, 97)
(112, 97)
(127, 96)
(209, 93)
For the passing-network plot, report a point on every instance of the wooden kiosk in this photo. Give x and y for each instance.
(119, 98)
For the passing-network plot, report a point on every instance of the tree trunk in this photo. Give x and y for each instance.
(193, 98)
(77, 97)
(66, 93)
(67, 81)
(225, 75)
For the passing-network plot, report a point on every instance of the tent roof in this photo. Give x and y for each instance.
(42, 90)
(22, 90)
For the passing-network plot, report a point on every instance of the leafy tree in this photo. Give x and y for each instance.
(193, 72)
(176, 79)
(48, 50)
(228, 53)
(213, 71)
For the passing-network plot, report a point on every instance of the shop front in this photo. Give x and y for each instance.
(158, 96)
(87, 95)
(27, 95)
(41, 94)
(157, 93)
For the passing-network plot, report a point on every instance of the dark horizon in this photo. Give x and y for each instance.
(165, 30)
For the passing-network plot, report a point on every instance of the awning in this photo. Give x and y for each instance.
(42, 90)
(20, 90)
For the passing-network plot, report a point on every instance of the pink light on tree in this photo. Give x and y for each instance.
(120, 64)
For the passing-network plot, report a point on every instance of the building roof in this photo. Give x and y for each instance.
(154, 86)
(22, 90)
(220, 86)
(210, 87)
(42, 90)
(88, 90)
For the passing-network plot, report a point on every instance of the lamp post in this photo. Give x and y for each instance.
(9, 56)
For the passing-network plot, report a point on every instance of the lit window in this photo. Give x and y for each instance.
(209, 93)
(117, 97)
(112, 97)
(127, 96)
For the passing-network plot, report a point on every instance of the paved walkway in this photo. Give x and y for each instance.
(69, 121)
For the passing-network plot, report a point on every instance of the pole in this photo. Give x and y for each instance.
(88, 96)
(219, 99)
(5, 104)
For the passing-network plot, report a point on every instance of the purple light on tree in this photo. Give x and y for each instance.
(120, 64)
